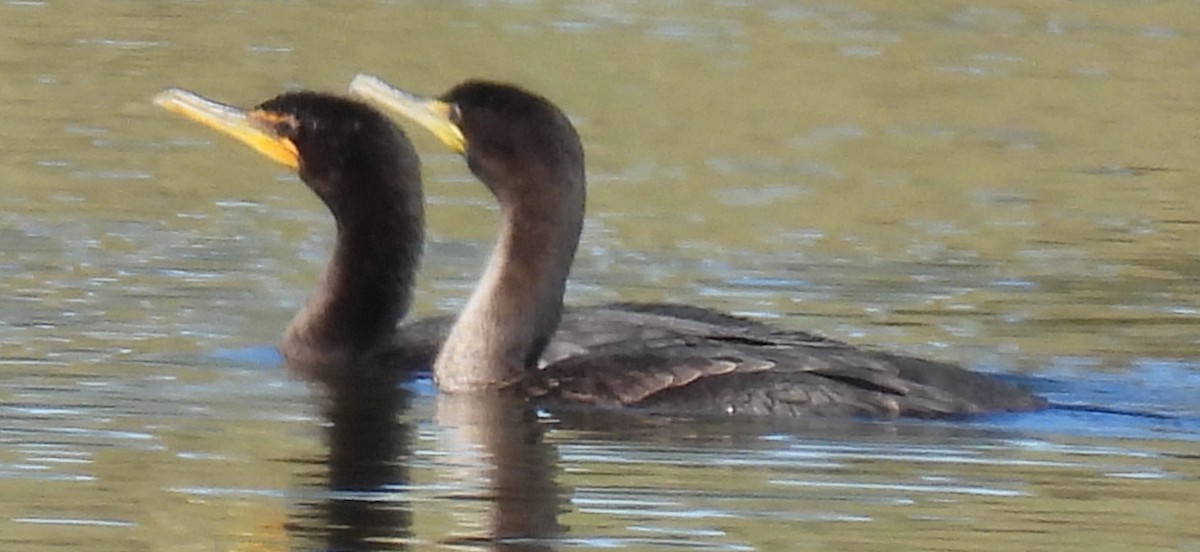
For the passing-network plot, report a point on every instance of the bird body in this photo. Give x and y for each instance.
(514, 333)
(661, 357)
(694, 360)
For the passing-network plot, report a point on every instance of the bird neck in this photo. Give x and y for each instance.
(367, 285)
(515, 309)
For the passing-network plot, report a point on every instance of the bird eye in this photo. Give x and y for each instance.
(455, 114)
(285, 126)
(279, 124)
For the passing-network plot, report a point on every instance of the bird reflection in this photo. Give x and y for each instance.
(366, 504)
(495, 442)
(490, 454)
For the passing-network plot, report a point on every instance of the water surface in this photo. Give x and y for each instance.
(1007, 185)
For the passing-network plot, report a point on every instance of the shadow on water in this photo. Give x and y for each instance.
(492, 444)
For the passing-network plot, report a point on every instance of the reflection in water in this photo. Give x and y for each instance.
(369, 448)
(496, 443)
(492, 445)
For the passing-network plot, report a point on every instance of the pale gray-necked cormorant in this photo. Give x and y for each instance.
(661, 357)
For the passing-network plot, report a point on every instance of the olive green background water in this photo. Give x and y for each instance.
(1008, 185)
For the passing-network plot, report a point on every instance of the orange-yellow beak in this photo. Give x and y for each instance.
(253, 128)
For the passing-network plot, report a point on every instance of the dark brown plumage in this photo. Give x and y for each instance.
(365, 171)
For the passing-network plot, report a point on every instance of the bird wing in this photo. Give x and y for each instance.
(760, 370)
(683, 358)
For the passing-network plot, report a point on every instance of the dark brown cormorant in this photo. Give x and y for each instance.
(366, 172)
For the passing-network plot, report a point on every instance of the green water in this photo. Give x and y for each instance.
(1007, 185)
